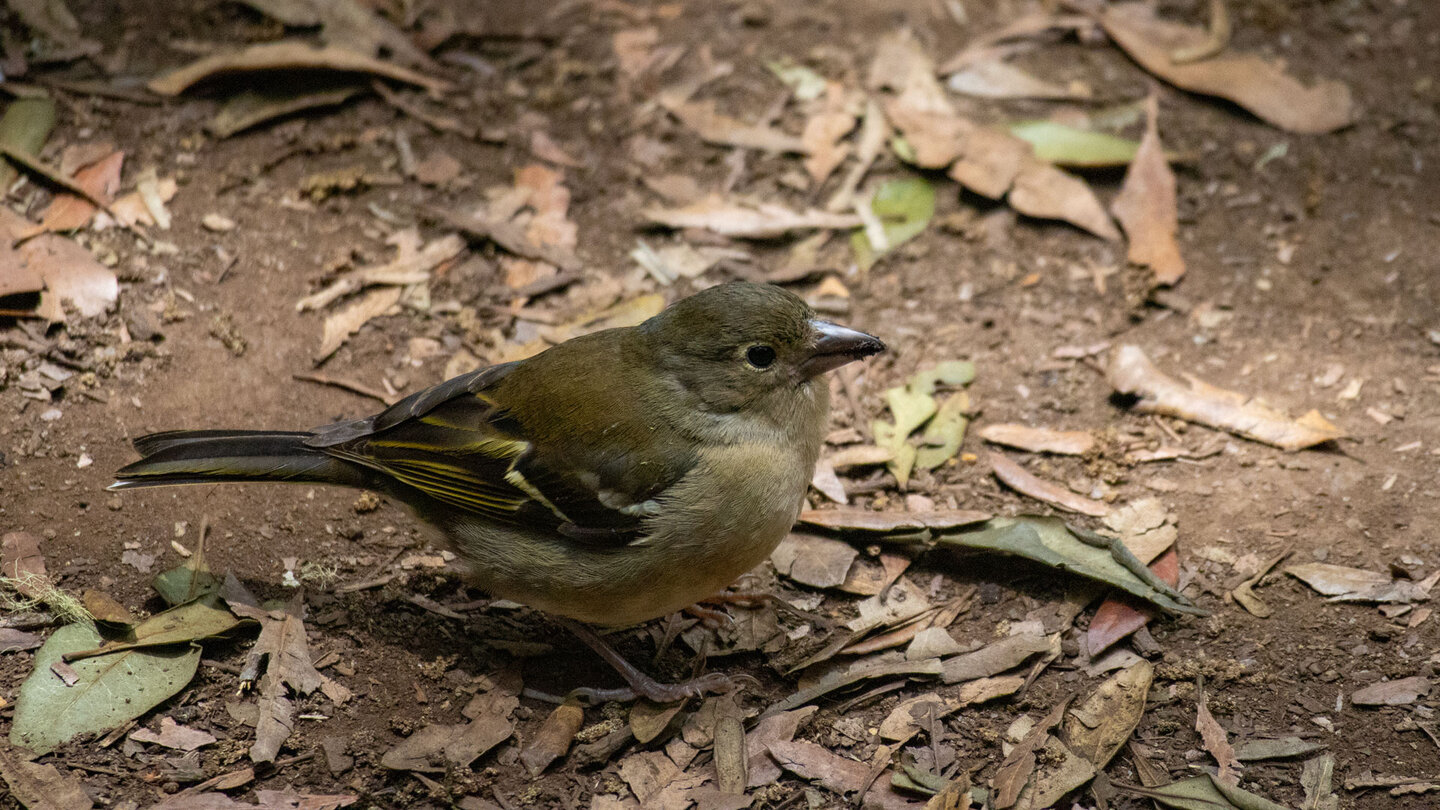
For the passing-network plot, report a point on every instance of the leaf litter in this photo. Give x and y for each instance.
(1146, 207)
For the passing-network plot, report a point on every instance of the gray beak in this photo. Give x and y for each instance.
(836, 345)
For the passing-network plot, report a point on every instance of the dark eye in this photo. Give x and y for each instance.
(760, 357)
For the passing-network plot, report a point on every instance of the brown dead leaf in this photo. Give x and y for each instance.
(133, 209)
(820, 562)
(1399, 692)
(346, 322)
(412, 264)
(1032, 25)
(70, 273)
(715, 127)
(1026, 483)
(760, 220)
(552, 740)
(42, 787)
(105, 608)
(438, 747)
(1100, 724)
(838, 774)
(761, 769)
(22, 562)
(100, 178)
(865, 520)
(1131, 372)
(287, 55)
(1146, 205)
(1015, 771)
(634, 49)
(1040, 440)
(994, 78)
(288, 667)
(992, 659)
(1117, 618)
(1043, 191)
(173, 735)
(1260, 86)
(439, 168)
(824, 131)
(656, 782)
(1217, 742)
(544, 147)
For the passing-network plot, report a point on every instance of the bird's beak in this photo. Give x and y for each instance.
(836, 345)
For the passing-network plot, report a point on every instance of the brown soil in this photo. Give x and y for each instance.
(1360, 291)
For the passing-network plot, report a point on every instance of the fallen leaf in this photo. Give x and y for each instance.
(42, 787)
(69, 211)
(657, 782)
(24, 128)
(1317, 778)
(110, 691)
(1040, 440)
(866, 520)
(438, 168)
(1345, 584)
(634, 49)
(715, 127)
(354, 25)
(1116, 619)
(1100, 724)
(836, 773)
(256, 105)
(544, 147)
(820, 562)
(288, 668)
(1074, 147)
(554, 737)
(997, 79)
(340, 325)
(1399, 692)
(806, 84)
(1131, 372)
(287, 55)
(827, 483)
(1014, 772)
(1258, 85)
(71, 274)
(992, 659)
(1043, 191)
(1217, 742)
(748, 221)
(899, 211)
(775, 728)
(1204, 792)
(105, 608)
(1280, 748)
(1026, 483)
(132, 209)
(904, 721)
(1145, 526)
(825, 130)
(174, 735)
(1059, 772)
(413, 264)
(12, 640)
(1146, 206)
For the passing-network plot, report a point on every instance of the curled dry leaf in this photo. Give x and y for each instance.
(994, 78)
(748, 221)
(1040, 440)
(760, 768)
(825, 129)
(1258, 85)
(1026, 483)
(42, 787)
(553, 738)
(70, 211)
(1146, 205)
(865, 520)
(1101, 723)
(1131, 372)
(287, 55)
(992, 659)
(1217, 742)
(1043, 191)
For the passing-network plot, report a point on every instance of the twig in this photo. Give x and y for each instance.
(440, 123)
(347, 385)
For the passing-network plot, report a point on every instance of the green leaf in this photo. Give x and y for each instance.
(1049, 541)
(1068, 146)
(1204, 793)
(187, 582)
(192, 621)
(945, 433)
(805, 83)
(112, 689)
(904, 207)
(25, 127)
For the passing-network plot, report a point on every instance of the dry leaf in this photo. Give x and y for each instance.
(1260, 86)
(1043, 191)
(412, 265)
(820, 562)
(1040, 440)
(836, 773)
(1344, 584)
(42, 787)
(866, 520)
(760, 768)
(1131, 372)
(70, 273)
(718, 128)
(553, 738)
(287, 668)
(1117, 618)
(1146, 205)
(70, 211)
(437, 748)
(132, 209)
(634, 49)
(994, 78)
(287, 55)
(346, 322)
(747, 221)
(992, 659)
(825, 130)
(1399, 692)
(1015, 771)
(1100, 724)
(657, 782)
(174, 735)
(1217, 742)
(1024, 482)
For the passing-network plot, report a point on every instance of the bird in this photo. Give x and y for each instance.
(609, 480)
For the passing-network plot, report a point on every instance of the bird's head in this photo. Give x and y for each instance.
(743, 345)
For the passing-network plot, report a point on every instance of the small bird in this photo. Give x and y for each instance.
(610, 479)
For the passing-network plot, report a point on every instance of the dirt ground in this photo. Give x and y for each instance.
(1324, 255)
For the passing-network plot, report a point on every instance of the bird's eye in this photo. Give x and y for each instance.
(760, 357)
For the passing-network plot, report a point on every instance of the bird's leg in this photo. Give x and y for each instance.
(715, 618)
(641, 685)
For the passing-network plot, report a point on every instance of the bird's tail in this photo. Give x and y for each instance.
(213, 456)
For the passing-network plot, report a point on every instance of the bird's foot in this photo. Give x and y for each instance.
(715, 618)
(642, 685)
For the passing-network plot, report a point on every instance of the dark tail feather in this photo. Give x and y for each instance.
(213, 456)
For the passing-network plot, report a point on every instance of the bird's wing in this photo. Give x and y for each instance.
(459, 444)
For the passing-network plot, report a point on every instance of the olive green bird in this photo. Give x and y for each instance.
(611, 479)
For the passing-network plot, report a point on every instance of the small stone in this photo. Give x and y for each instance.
(217, 223)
